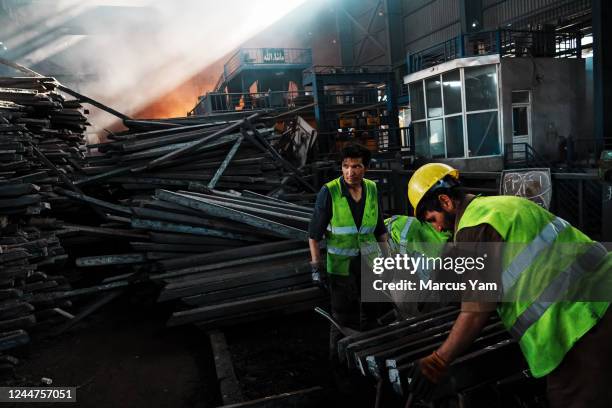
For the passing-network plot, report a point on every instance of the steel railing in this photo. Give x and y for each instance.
(377, 139)
(217, 102)
(369, 96)
(256, 56)
(523, 155)
(577, 197)
(506, 43)
(348, 69)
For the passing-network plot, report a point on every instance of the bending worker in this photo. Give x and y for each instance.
(408, 235)
(569, 342)
(349, 213)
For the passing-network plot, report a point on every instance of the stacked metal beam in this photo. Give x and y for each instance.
(242, 284)
(227, 155)
(389, 353)
(158, 212)
(266, 277)
(227, 256)
(183, 234)
(41, 142)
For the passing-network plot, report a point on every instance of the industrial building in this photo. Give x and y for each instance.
(163, 166)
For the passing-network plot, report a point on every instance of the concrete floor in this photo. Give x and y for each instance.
(124, 356)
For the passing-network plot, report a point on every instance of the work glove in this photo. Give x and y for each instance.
(426, 374)
(319, 276)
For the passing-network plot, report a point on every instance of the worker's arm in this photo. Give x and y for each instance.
(430, 370)
(465, 330)
(315, 252)
(383, 243)
(318, 225)
(474, 315)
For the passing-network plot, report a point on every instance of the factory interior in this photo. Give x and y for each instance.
(162, 165)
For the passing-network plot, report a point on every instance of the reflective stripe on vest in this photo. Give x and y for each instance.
(522, 261)
(585, 262)
(342, 251)
(409, 236)
(350, 230)
(404, 233)
(538, 277)
(364, 250)
(342, 230)
(344, 240)
(366, 230)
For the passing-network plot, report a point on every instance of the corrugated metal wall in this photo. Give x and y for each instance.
(427, 23)
(430, 22)
(520, 13)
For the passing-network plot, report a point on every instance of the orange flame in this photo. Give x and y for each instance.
(183, 98)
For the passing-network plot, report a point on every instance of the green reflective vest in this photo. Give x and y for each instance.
(344, 240)
(408, 235)
(540, 262)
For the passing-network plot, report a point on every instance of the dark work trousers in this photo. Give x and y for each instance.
(348, 311)
(346, 306)
(584, 377)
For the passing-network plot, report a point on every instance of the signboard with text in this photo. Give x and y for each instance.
(273, 55)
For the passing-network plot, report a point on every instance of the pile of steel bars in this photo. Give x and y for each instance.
(192, 206)
(225, 255)
(163, 188)
(41, 145)
(41, 141)
(389, 353)
(226, 155)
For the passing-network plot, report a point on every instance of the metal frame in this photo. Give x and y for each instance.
(464, 113)
(520, 105)
(366, 31)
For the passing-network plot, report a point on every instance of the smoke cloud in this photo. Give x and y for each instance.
(129, 53)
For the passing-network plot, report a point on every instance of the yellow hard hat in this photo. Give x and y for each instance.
(426, 177)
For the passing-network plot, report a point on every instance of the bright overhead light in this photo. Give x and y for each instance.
(452, 84)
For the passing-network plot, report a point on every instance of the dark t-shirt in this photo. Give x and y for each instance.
(479, 236)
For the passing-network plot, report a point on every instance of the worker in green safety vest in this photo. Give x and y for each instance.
(348, 215)
(566, 338)
(408, 235)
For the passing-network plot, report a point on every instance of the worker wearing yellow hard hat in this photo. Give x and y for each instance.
(428, 176)
(557, 337)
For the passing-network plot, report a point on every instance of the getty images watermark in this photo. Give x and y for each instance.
(487, 272)
(420, 265)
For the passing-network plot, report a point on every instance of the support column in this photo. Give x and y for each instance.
(394, 135)
(602, 73)
(345, 35)
(318, 92)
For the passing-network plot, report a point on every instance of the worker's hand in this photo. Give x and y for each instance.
(426, 374)
(319, 276)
